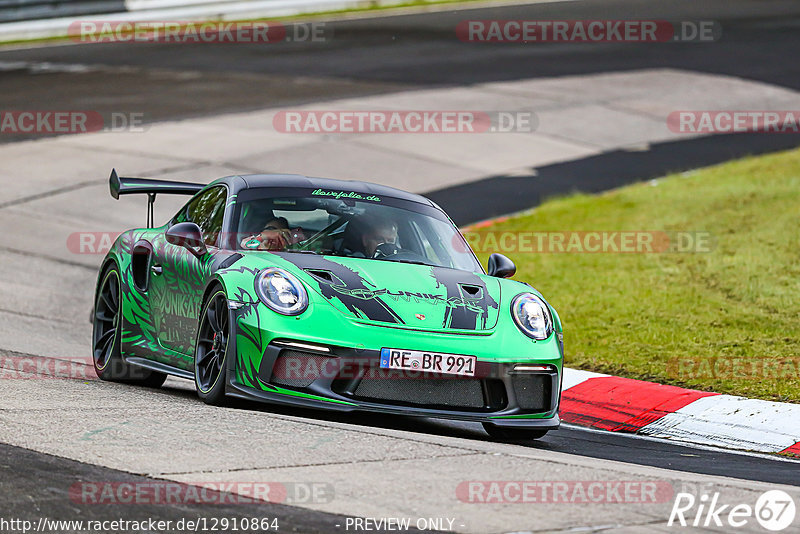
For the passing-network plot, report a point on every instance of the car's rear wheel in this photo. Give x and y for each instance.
(513, 434)
(211, 349)
(107, 335)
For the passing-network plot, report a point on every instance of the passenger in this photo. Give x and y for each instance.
(276, 235)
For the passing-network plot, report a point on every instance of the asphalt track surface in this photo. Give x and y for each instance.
(35, 485)
(26, 498)
(384, 55)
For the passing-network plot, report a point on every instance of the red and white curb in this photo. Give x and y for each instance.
(634, 406)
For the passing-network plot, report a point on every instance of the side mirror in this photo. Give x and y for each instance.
(501, 267)
(187, 235)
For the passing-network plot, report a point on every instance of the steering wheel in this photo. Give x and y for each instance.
(384, 250)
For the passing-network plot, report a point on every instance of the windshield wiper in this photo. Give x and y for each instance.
(303, 251)
(412, 262)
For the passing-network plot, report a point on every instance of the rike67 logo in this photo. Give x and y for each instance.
(774, 510)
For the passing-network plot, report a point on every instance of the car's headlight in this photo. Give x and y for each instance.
(532, 316)
(281, 291)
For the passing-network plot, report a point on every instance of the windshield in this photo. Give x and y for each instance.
(341, 223)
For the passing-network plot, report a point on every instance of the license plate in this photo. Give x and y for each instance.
(428, 362)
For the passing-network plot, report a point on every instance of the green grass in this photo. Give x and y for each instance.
(642, 315)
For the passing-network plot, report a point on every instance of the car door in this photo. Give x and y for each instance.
(179, 276)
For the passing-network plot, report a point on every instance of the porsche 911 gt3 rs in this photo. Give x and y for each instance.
(328, 294)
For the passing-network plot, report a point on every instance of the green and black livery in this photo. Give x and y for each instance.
(183, 299)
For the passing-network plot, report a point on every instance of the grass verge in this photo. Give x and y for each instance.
(727, 320)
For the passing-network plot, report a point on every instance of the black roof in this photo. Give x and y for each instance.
(296, 180)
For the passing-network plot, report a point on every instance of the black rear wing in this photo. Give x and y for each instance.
(121, 185)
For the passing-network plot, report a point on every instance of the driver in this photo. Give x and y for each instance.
(378, 232)
(276, 235)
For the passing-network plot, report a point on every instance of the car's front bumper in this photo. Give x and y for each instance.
(549, 421)
(344, 378)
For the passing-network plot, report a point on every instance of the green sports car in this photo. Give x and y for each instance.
(329, 294)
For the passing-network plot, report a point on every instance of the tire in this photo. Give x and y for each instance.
(513, 434)
(211, 349)
(107, 337)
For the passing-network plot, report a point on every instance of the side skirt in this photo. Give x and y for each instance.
(160, 367)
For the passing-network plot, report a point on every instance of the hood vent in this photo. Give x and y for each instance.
(470, 291)
(324, 276)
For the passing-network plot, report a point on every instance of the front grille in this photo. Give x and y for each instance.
(297, 369)
(379, 385)
(351, 374)
(532, 391)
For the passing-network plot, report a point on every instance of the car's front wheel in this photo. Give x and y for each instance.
(107, 336)
(211, 349)
(513, 434)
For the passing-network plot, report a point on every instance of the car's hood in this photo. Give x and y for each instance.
(402, 294)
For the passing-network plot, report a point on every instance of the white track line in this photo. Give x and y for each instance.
(688, 445)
